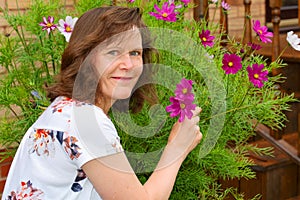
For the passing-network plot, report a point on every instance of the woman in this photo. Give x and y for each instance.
(73, 150)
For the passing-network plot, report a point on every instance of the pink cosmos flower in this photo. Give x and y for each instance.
(173, 2)
(181, 108)
(185, 2)
(262, 32)
(256, 75)
(48, 24)
(184, 90)
(182, 104)
(254, 46)
(206, 38)
(66, 27)
(232, 63)
(225, 6)
(166, 13)
(130, 1)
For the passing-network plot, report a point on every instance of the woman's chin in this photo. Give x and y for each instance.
(124, 95)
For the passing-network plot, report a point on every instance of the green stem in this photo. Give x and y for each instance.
(281, 53)
(234, 110)
(205, 13)
(239, 104)
(228, 111)
(52, 59)
(227, 84)
(13, 64)
(13, 111)
(214, 15)
(21, 35)
(44, 62)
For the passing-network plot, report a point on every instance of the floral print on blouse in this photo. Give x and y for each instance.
(26, 192)
(51, 155)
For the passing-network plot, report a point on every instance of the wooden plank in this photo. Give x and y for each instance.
(230, 183)
(294, 198)
(298, 139)
(252, 187)
(288, 146)
(280, 144)
(247, 19)
(299, 12)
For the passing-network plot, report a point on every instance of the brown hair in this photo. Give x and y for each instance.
(92, 28)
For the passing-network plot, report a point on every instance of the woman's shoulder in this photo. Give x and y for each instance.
(62, 104)
(59, 113)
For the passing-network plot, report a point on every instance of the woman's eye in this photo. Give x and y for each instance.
(113, 52)
(135, 53)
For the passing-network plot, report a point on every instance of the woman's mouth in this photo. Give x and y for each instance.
(122, 78)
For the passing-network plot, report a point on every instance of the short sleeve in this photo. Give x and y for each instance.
(94, 133)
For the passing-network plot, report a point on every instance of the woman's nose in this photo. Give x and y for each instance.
(126, 61)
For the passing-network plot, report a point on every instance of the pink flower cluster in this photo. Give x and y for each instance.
(182, 104)
(65, 27)
(168, 11)
(232, 63)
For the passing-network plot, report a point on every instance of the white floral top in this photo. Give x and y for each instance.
(48, 162)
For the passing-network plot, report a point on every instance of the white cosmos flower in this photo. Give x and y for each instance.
(66, 26)
(293, 40)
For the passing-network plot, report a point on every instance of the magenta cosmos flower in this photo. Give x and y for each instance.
(256, 75)
(66, 26)
(182, 104)
(254, 46)
(184, 90)
(185, 2)
(48, 24)
(173, 2)
(181, 108)
(232, 63)
(262, 32)
(166, 13)
(206, 38)
(225, 6)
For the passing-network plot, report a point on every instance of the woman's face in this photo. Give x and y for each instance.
(119, 65)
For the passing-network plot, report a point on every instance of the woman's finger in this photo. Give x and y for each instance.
(196, 119)
(197, 111)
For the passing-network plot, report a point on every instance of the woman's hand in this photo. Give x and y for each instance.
(186, 135)
(106, 172)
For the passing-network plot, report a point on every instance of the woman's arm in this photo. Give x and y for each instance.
(113, 177)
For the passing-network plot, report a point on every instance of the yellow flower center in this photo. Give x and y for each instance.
(49, 25)
(230, 64)
(256, 76)
(259, 31)
(184, 90)
(204, 39)
(165, 14)
(68, 29)
(182, 105)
